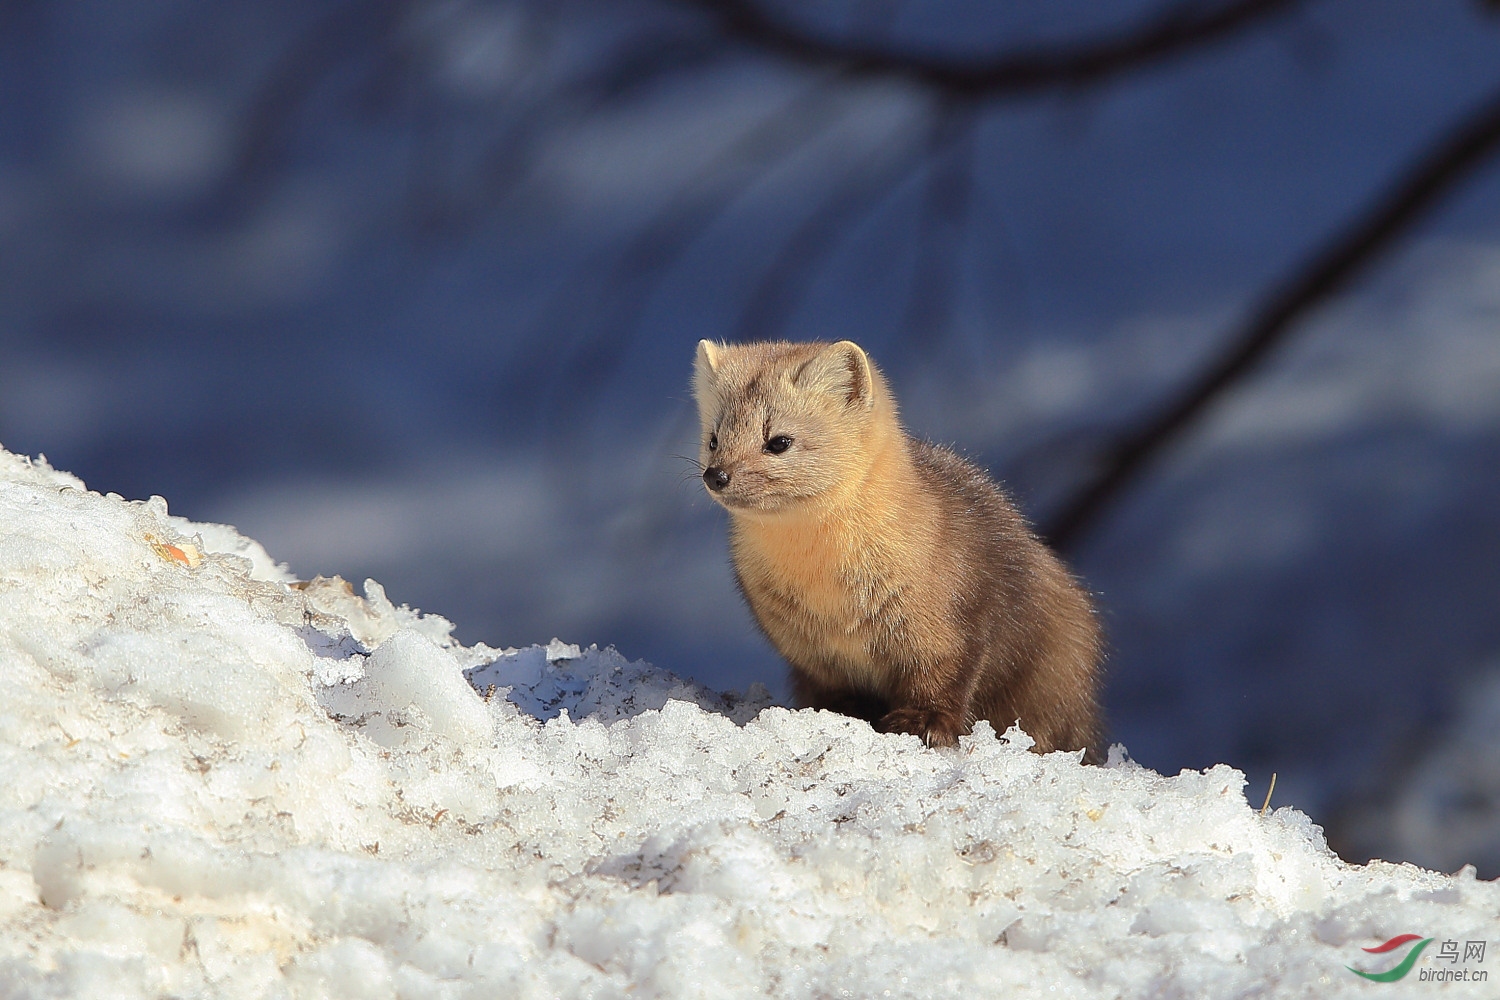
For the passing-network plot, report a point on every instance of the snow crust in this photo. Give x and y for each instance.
(221, 782)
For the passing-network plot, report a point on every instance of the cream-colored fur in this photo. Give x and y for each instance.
(870, 560)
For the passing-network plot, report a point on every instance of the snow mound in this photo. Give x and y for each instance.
(220, 782)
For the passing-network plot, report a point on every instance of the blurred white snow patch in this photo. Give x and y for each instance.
(284, 251)
(1445, 810)
(1272, 525)
(61, 401)
(443, 529)
(1420, 348)
(223, 784)
(1050, 381)
(479, 49)
(677, 141)
(497, 512)
(1056, 381)
(156, 143)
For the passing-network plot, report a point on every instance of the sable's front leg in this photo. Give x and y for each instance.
(855, 704)
(933, 703)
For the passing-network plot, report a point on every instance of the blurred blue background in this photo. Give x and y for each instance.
(409, 289)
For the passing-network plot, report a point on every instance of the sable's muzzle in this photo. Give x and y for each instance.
(715, 478)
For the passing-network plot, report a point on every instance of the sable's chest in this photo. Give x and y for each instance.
(830, 581)
(813, 602)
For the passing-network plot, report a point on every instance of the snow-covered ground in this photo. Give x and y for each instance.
(221, 782)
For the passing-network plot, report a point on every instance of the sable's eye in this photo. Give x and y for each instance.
(713, 442)
(778, 444)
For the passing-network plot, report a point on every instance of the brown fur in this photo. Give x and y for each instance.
(896, 578)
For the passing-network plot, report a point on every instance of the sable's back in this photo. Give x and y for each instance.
(1024, 609)
(969, 493)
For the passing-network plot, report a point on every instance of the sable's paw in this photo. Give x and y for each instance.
(937, 729)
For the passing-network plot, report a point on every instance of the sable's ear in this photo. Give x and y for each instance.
(841, 368)
(708, 357)
(705, 370)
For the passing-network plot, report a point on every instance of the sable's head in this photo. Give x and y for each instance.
(783, 424)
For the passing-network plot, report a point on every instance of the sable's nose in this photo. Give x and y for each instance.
(716, 478)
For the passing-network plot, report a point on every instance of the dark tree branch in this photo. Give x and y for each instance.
(1434, 174)
(1177, 30)
(354, 32)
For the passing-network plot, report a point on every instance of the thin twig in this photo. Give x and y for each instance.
(1267, 804)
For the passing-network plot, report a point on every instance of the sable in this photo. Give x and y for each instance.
(898, 580)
